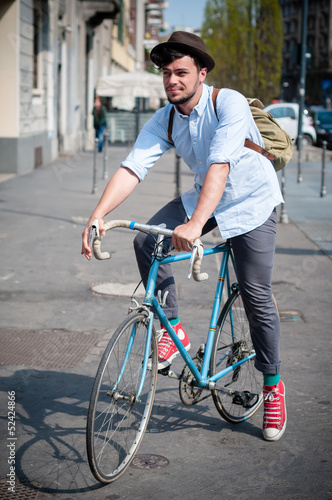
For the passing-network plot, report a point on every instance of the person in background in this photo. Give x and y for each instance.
(99, 121)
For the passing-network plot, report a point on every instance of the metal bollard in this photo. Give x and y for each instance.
(299, 159)
(177, 175)
(323, 187)
(283, 213)
(105, 140)
(94, 181)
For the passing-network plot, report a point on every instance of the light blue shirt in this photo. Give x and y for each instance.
(201, 139)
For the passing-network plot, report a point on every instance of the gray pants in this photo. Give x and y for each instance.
(254, 255)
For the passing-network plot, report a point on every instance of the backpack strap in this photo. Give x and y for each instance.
(215, 93)
(252, 145)
(247, 143)
(170, 124)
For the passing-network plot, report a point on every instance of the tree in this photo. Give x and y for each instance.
(245, 39)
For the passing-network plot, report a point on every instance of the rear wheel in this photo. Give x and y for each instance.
(117, 419)
(232, 344)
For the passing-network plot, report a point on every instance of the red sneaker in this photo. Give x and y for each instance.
(275, 416)
(167, 350)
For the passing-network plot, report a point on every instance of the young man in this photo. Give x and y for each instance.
(235, 188)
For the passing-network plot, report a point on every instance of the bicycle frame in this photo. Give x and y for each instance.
(154, 308)
(202, 377)
(127, 372)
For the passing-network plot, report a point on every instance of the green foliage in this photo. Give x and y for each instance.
(245, 39)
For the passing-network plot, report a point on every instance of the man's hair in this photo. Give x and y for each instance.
(166, 56)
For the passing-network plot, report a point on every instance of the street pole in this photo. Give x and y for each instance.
(177, 174)
(302, 88)
(105, 172)
(323, 186)
(94, 176)
(283, 213)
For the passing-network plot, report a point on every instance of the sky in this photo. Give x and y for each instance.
(185, 13)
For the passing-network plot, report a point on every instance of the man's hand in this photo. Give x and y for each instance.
(185, 235)
(86, 250)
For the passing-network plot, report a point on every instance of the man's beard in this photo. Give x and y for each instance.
(182, 100)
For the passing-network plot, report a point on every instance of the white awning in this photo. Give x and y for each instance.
(134, 84)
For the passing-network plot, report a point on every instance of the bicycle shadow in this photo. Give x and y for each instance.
(170, 415)
(51, 412)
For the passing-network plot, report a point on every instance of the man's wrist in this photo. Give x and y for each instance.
(197, 222)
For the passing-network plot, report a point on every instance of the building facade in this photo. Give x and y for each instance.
(318, 53)
(52, 53)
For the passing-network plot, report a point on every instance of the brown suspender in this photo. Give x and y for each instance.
(247, 143)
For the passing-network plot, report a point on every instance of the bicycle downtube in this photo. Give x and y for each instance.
(162, 317)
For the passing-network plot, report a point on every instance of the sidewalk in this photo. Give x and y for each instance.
(54, 327)
(304, 205)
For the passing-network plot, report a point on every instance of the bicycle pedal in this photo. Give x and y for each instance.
(164, 371)
(245, 399)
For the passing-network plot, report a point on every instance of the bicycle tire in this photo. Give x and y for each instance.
(245, 381)
(116, 420)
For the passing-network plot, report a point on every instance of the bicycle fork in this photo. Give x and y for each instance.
(114, 393)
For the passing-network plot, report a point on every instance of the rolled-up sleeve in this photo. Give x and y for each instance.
(234, 119)
(151, 143)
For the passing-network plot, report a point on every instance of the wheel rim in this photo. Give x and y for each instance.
(117, 419)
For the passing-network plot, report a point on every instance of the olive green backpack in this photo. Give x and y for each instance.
(278, 144)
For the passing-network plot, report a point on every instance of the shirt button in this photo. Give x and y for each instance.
(193, 123)
(200, 163)
(195, 143)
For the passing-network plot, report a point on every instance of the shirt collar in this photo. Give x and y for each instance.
(200, 107)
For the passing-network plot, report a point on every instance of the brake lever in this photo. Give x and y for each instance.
(94, 232)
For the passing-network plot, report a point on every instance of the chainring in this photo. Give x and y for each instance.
(189, 394)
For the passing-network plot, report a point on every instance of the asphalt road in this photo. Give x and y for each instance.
(54, 327)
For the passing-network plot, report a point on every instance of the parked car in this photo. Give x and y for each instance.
(287, 115)
(323, 125)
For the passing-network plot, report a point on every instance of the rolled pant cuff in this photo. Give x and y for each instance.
(267, 368)
(171, 313)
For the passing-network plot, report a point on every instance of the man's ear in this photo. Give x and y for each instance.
(202, 74)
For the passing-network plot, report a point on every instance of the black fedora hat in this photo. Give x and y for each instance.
(187, 43)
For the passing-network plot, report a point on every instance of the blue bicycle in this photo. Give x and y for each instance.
(125, 384)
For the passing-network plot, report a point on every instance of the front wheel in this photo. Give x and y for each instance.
(243, 385)
(117, 419)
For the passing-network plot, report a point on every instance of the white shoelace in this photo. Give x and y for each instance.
(272, 406)
(164, 342)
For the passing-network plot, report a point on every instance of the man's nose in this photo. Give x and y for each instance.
(172, 79)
